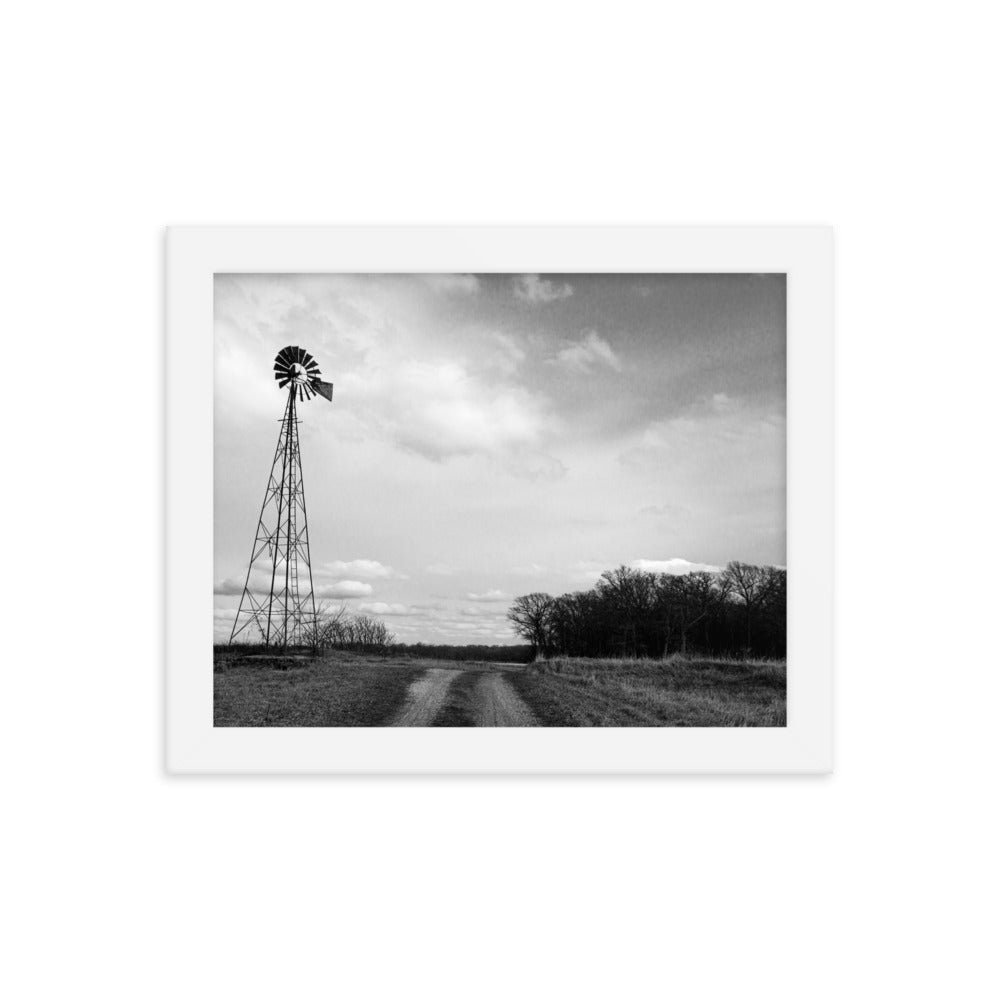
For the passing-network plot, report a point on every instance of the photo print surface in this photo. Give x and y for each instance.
(500, 500)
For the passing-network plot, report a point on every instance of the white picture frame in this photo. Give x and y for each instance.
(196, 253)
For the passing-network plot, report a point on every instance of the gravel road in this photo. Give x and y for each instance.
(493, 701)
(496, 703)
(425, 698)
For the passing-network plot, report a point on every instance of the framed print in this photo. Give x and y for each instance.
(499, 499)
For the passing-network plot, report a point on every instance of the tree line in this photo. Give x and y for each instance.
(336, 629)
(739, 611)
(489, 654)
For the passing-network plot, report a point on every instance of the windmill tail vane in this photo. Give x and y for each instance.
(278, 604)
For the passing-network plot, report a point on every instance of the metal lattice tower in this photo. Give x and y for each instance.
(278, 605)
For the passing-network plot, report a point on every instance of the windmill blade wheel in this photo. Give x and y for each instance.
(296, 367)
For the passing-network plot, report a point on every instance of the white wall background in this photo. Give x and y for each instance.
(120, 118)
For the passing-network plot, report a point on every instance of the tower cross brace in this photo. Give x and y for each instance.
(278, 604)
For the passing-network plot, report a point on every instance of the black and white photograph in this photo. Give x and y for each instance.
(500, 500)
(510, 513)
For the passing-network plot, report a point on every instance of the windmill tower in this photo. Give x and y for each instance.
(278, 605)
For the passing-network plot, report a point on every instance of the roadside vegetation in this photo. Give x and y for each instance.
(459, 706)
(350, 689)
(677, 691)
(340, 689)
(466, 654)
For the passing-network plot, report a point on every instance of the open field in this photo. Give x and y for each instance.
(674, 692)
(345, 689)
(301, 691)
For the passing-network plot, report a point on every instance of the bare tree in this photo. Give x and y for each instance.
(325, 629)
(775, 603)
(532, 618)
(750, 585)
(665, 616)
(335, 628)
(630, 596)
(573, 618)
(702, 594)
(687, 600)
(369, 633)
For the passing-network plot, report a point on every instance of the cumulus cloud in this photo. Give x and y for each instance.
(381, 608)
(490, 596)
(532, 288)
(502, 351)
(443, 623)
(259, 581)
(583, 355)
(409, 369)
(443, 409)
(222, 623)
(344, 588)
(674, 567)
(358, 569)
(332, 579)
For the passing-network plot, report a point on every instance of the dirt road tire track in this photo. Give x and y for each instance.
(425, 698)
(496, 703)
(490, 702)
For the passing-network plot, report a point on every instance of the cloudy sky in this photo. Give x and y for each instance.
(494, 435)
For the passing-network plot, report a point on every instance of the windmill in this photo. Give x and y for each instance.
(283, 611)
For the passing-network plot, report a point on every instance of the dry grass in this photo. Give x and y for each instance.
(345, 689)
(678, 691)
(336, 690)
(458, 707)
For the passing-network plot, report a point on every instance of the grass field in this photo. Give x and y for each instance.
(674, 692)
(345, 689)
(458, 707)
